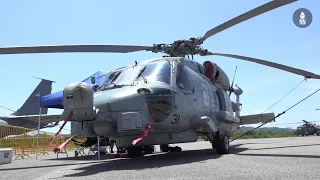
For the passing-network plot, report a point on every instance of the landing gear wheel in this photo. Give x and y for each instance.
(175, 149)
(148, 149)
(167, 148)
(164, 148)
(222, 143)
(135, 151)
(121, 150)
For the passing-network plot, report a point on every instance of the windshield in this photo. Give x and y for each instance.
(111, 77)
(128, 75)
(151, 72)
(156, 71)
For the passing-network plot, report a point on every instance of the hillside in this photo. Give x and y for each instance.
(264, 132)
(273, 129)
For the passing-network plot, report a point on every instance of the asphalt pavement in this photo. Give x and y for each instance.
(281, 158)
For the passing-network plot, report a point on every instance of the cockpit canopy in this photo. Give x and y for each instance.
(156, 71)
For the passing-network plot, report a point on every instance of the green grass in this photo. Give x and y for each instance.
(259, 134)
(263, 134)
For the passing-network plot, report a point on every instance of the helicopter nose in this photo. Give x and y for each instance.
(159, 101)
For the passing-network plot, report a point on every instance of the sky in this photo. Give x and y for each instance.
(271, 36)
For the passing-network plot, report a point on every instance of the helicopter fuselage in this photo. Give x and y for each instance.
(307, 129)
(171, 94)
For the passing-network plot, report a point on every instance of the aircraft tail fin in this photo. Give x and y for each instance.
(32, 104)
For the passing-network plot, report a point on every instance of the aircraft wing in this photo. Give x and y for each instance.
(45, 118)
(257, 118)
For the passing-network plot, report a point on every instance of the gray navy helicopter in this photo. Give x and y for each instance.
(307, 129)
(162, 101)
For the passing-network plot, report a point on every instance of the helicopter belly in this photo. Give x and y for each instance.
(158, 138)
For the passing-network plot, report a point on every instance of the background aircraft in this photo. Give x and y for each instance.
(30, 107)
(307, 129)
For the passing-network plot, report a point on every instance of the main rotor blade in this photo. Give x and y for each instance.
(248, 15)
(72, 48)
(306, 74)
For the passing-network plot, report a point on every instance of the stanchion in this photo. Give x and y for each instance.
(38, 133)
(98, 138)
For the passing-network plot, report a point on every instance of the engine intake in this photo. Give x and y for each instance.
(216, 74)
(78, 97)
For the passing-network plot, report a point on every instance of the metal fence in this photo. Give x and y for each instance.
(23, 141)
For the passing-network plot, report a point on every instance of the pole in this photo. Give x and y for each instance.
(98, 138)
(38, 133)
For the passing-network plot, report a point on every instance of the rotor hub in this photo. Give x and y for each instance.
(181, 48)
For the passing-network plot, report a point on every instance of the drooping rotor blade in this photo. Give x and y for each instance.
(73, 48)
(248, 15)
(306, 74)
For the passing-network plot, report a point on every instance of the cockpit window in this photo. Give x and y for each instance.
(128, 75)
(111, 77)
(156, 71)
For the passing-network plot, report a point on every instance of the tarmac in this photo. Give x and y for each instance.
(276, 158)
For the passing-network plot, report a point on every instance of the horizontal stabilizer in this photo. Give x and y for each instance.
(35, 118)
(257, 118)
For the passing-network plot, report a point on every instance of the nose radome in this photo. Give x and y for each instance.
(78, 98)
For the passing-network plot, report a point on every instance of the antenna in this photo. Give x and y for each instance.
(234, 75)
(22, 114)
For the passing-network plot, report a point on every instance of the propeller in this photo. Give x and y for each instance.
(178, 48)
(189, 46)
(248, 15)
(73, 48)
(301, 72)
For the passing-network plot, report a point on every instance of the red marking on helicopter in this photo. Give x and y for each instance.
(142, 136)
(57, 149)
(209, 68)
(64, 123)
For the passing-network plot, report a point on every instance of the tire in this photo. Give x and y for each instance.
(148, 149)
(135, 151)
(222, 143)
(164, 148)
